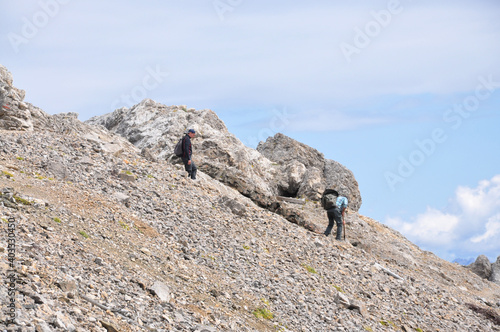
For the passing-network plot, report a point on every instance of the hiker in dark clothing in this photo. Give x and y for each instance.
(189, 165)
(336, 214)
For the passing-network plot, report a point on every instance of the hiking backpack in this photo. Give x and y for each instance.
(179, 149)
(329, 199)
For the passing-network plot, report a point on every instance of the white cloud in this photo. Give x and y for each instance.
(471, 228)
(428, 228)
(482, 200)
(492, 230)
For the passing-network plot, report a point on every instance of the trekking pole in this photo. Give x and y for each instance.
(343, 221)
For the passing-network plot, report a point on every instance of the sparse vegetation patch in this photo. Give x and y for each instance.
(263, 313)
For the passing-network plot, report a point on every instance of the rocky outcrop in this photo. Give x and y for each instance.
(280, 166)
(300, 166)
(217, 152)
(306, 172)
(14, 112)
(485, 269)
(284, 150)
(482, 267)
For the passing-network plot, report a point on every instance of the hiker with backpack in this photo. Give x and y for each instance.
(184, 150)
(335, 206)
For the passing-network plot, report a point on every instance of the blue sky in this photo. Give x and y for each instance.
(404, 93)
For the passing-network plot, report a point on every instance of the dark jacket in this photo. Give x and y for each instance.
(186, 148)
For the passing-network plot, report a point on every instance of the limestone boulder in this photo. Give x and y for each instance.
(320, 173)
(481, 267)
(284, 150)
(313, 184)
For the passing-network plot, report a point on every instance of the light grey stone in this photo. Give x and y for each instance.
(126, 177)
(67, 285)
(58, 169)
(42, 326)
(121, 197)
(161, 290)
(342, 300)
(235, 207)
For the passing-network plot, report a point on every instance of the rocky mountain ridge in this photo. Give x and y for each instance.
(280, 166)
(303, 173)
(111, 238)
(155, 129)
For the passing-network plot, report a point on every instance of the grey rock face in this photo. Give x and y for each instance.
(339, 177)
(481, 267)
(293, 176)
(306, 172)
(14, 112)
(284, 150)
(495, 271)
(233, 205)
(313, 185)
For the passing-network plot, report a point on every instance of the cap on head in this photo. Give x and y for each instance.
(191, 131)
